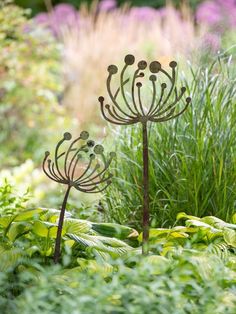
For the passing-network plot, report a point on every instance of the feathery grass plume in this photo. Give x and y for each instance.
(99, 38)
(91, 177)
(138, 108)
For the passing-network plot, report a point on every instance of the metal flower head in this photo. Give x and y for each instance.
(94, 177)
(162, 107)
(90, 177)
(130, 105)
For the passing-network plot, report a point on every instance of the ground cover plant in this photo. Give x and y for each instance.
(191, 267)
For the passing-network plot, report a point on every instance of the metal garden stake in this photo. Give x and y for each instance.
(90, 177)
(129, 106)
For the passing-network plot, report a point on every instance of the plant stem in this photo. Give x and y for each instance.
(57, 252)
(145, 191)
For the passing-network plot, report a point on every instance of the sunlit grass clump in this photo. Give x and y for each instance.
(193, 159)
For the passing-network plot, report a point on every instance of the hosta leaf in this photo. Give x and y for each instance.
(232, 263)
(114, 230)
(217, 223)
(76, 226)
(5, 221)
(28, 214)
(99, 243)
(204, 265)
(112, 242)
(92, 266)
(157, 235)
(230, 237)
(183, 215)
(159, 263)
(185, 229)
(45, 229)
(201, 225)
(51, 214)
(32, 249)
(219, 249)
(17, 229)
(10, 258)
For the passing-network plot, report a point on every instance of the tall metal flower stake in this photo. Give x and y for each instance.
(82, 166)
(130, 106)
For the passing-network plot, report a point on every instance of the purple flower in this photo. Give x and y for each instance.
(164, 12)
(143, 14)
(42, 18)
(209, 13)
(107, 5)
(217, 13)
(211, 42)
(62, 15)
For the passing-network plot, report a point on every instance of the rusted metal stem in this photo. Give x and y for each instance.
(145, 191)
(57, 251)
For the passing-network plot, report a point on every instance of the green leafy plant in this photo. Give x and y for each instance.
(185, 284)
(29, 85)
(10, 202)
(31, 234)
(207, 235)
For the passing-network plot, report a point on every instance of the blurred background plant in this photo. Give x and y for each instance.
(30, 84)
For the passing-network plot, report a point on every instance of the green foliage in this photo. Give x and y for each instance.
(29, 85)
(10, 202)
(185, 284)
(191, 268)
(192, 158)
(29, 234)
(208, 235)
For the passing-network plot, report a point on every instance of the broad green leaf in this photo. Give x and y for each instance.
(219, 249)
(217, 223)
(51, 214)
(10, 258)
(185, 229)
(76, 226)
(158, 234)
(45, 229)
(114, 230)
(5, 221)
(92, 266)
(159, 263)
(230, 237)
(201, 224)
(183, 215)
(29, 214)
(232, 262)
(112, 246)
(17, 229)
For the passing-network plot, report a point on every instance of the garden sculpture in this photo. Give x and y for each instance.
(82, 166)
(129, 106)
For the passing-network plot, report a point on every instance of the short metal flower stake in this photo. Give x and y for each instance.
(82, 166)
(130, 106)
